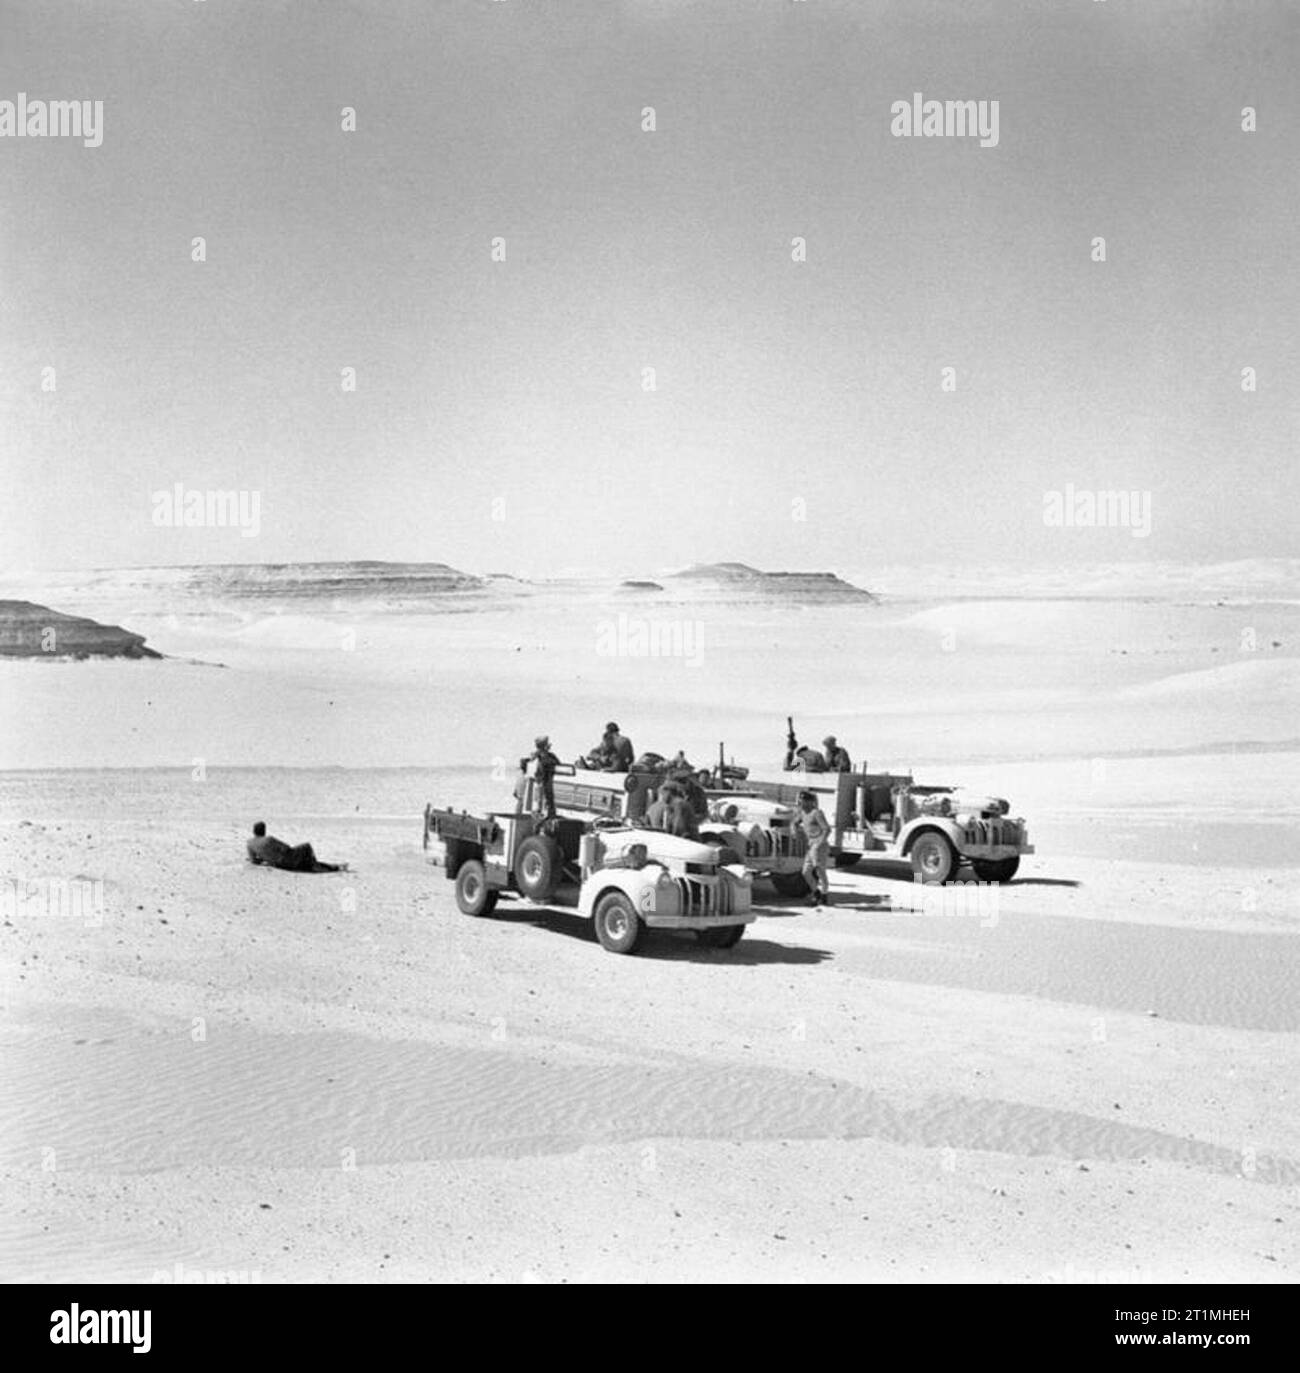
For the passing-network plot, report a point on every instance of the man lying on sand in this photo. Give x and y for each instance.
(275, 853)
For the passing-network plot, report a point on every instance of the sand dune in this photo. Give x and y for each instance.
(872, 1089)
(245, 1071)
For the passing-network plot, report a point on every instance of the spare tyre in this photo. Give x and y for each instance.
(537, 867)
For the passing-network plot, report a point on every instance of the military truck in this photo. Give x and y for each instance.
(764, 834)
(624, 879)
(753, 831)
(889, 816)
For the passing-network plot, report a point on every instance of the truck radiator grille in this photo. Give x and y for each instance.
(993, 832)
(704, 896)
(787, 845)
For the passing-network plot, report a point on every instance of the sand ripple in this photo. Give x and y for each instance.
(140, 1102)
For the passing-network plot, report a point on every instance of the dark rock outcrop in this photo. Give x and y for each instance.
(28, 630)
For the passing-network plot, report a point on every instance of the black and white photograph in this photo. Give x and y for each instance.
(650, 642)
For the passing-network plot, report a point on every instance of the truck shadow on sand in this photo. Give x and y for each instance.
(782, 908)
(895, 872)
(679, 945)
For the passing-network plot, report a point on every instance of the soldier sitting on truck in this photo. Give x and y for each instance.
(803, 759)
(836, 758)
(614, 753)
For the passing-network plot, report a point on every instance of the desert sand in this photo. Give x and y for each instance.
(233, 1072)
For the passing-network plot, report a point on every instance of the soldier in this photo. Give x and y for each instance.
(266, 849)
(657, 811)
(803, 759)
(617, 750)
(687, 780)
(818, 832)
(679, 818)
(836, 758)
(544, 765)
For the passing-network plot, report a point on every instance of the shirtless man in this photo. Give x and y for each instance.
(817, 830)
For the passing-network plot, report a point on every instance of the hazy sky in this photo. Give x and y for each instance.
(521, 382)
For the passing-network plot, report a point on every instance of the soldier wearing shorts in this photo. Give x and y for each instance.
(817, 831)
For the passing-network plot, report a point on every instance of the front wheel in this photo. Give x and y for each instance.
(473, 895)
(720, 936)
(934, 860)
(996, 869)
(790, 883)
(618, 927)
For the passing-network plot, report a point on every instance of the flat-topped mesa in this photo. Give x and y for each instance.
(364, 580)
(740, 581)
(722, 572)
(28, 630)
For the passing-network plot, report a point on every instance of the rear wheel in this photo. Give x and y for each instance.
(537, 867)
(934, 860)
(790, 883)
(720, 936)
(473, 895)
(996, 869)
(618, 927)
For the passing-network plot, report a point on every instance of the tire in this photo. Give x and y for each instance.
(996, 869)
(537, 868)
(473, 895)
(790, 883)
(618, 927)
(934, 860)
(847, 860)
(720, 936)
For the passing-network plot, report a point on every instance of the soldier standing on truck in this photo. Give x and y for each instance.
(544, 765)
(618, 748)
(837, 758)
(818, 831)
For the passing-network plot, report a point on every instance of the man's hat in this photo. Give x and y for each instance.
(829, 741)
(807, 796)
(542, 741)
(611, 728)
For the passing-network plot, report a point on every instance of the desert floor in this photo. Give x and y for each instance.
(1088, 1075)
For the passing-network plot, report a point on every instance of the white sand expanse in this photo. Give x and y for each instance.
(246, 1072)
